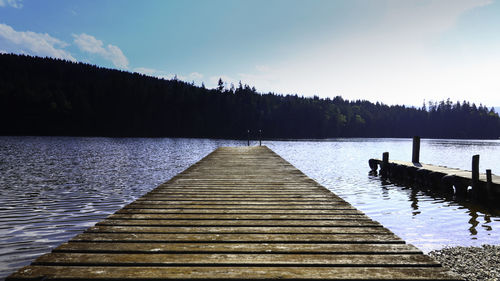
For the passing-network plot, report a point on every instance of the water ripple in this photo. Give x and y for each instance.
(55, 187)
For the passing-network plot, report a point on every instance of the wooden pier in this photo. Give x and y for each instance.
(472, 184)
(485, 187)
(239, 213)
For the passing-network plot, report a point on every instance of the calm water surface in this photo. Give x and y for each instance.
(53, 188)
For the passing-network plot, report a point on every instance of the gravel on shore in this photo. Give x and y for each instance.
(472, 263)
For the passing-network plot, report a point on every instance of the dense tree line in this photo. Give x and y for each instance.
(44, 96)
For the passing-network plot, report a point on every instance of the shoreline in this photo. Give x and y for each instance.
(471, 263)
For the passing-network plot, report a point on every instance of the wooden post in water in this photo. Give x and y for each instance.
(488, 183)
(260, 137)
(248, 137)
(415, 157)
(385, 164)
(475, 173)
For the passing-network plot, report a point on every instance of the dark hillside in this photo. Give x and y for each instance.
(43, 96)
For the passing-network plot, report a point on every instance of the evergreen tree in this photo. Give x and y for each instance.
(43, 96)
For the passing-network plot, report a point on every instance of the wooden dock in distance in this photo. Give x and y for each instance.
(449, 180)
(485, 187)
(239, 213)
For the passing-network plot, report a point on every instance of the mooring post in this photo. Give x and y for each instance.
(248, 137)
(475, 173)
(488, 183)
(260, 137)
(385, 164)
(415, 157)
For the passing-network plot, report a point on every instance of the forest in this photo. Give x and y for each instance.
(45, 96)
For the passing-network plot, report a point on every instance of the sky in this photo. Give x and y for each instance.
(390, 51)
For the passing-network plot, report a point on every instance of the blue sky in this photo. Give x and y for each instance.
(396, 52)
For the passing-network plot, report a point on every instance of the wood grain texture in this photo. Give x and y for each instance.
(241, 213)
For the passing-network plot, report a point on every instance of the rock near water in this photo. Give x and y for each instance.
(472, 263)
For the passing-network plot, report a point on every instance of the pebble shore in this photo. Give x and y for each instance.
(472, 263)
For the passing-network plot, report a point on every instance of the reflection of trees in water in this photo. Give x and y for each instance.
(475, 209)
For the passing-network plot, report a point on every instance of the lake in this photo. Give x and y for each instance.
(53, 188)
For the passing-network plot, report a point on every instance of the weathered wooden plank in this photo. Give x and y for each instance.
(278, 197)
(242, 188)
(296, 223)
(308, 212)
(239, 213)
(161, 205)
(262, 248)
(252, 185)
(240, 203)
(445, 170)
(175, 186)
(245, 192)
(242, 185)
(221, 176)
(233, 201)
(261, 230)
(342, 216)
(232, 238)
(233, 273)
(233, 259)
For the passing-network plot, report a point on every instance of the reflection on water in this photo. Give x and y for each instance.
(475, 209)
(424, 218)
(55, 187)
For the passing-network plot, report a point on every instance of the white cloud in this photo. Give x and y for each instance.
(40, 44)
(264, 78)
(90, 44)
(18, 4)
(145, 70)
(158, 73)
(193, 76)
